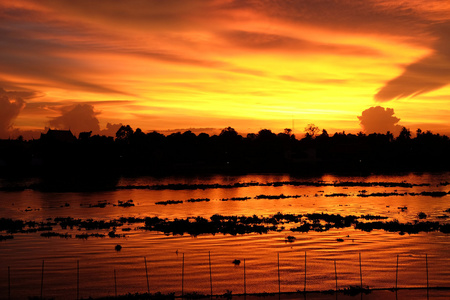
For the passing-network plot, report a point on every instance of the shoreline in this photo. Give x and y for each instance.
(405, 293)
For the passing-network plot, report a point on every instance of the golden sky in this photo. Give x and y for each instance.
(178, 64)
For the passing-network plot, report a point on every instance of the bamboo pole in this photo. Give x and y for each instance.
(426, 263)
(42, 280)
(210, 274)
(9, 283)
(396, 275)
(182, 279)
(146, 275)
(78, 279)
(279, 282)
(115, 284)
(360, 270)
(304, 286)
(335, 275)
(245, 284)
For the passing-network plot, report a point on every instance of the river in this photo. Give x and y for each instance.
(87, 261)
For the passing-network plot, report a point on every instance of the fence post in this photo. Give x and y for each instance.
(396, 275)
(360, 270)
(335, 275)
(245, 284)
(210, 273)
(426, 263)
(146, 275)
(115, 283)
(279, 282)
(78, 279)
(304, 286)
(42, 280)
(182, 279)
(9, 283)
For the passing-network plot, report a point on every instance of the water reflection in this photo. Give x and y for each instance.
(153, 255)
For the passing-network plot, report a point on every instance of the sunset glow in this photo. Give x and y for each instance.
(166, 65)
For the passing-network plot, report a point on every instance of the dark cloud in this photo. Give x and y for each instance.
(40, 52)
(425, 75)
(26, 134)
(11, 103)
(379, 120)
(51, 51)
(143, 14)
(260, 41)
(111, 129)
(78, 118)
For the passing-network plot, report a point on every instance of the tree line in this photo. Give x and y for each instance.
(133, 152)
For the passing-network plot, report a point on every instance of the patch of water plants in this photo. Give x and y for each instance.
(217, 224)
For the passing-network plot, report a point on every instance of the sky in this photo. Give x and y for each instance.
(249, 64)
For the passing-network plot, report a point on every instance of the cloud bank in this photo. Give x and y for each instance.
(11, 103)
(379, 120)
(242, 60)
(78, 118)
(82, 118)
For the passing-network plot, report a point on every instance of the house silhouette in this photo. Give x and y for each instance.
(55, 135)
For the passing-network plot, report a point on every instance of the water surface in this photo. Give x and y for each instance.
(98, 259)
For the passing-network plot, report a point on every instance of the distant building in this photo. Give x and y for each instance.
(55, 135)
(84, 135)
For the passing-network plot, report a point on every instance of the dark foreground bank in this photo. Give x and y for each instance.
(352, 293)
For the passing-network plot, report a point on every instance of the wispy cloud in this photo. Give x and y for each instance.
(223, 54)
(429, 73)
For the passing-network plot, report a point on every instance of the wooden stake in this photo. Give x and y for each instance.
(210, 274)
(426, 263)
(78, 279)
(279, 282)
(396, 275)
(304, 286)
(335, 275)
(42, 280)
(245, 284)
(360, 269)
(115, 283)
(9, 283)
(182, 279)
(146, 275)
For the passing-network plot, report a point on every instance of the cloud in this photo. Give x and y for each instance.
(78, 118)
(260, 41)
(425, 75)
(11, 104)
(142, 14)
(47, 51)
(379, 120)
(111, 129)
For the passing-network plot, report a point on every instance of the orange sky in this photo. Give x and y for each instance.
(211, 64)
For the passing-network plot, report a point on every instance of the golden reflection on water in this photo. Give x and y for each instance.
(98, 259)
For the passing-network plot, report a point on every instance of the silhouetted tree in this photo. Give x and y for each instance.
(324, 134)
(418, 132)
(405, 134)
(228, 132)
(124, 133)
(311, 131)
(133, 152)
(266, 135)
(251, 136)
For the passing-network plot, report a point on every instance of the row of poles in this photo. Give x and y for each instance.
(210, 277)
